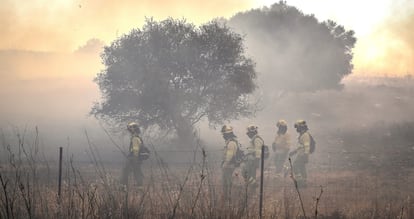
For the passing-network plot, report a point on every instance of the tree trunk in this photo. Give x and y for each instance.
(185, 132)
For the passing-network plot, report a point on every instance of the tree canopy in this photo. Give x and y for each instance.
(294, 51)
(172, 74)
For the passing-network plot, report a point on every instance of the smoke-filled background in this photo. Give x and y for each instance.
(346, 67)
(50, 54)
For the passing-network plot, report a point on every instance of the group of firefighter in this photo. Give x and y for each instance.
(282, 150)
(234, 157)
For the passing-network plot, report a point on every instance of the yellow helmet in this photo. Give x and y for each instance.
(252, 128)
(226, 129)
(300, 123)
(132, 126)
(281, 123)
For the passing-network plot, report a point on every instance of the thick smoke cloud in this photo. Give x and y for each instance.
(389, 49)
(400, 54)
(53, 91)
(295, 51)
(63, 25)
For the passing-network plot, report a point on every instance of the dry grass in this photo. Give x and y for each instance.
(29, 190)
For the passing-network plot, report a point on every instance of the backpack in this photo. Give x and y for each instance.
(266, 149)
(312, 144)
(144, 152)
(239, 157)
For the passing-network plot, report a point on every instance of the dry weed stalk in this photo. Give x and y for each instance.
(296, 187)
(317, 203)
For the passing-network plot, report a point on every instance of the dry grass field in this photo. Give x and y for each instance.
(191, 189)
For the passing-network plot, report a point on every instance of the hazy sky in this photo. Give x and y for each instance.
(385, 45)
(383, 28)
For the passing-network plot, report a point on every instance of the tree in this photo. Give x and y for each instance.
(172, 74)
(294, 51)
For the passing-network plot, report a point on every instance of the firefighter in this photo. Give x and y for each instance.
(253, 156)
(301, 153)
(281, 145)
(133, 163)
(229, 159)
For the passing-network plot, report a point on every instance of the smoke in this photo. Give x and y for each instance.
(41, 87)
(93, 46)
(53, 91)
(401, 54)
(63, 25)
(33, 26)
(389, 49)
